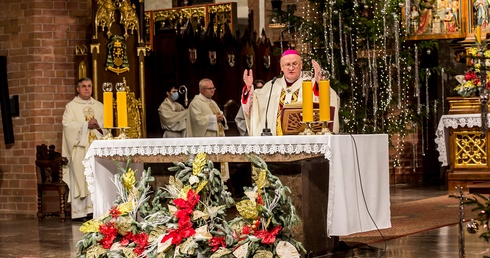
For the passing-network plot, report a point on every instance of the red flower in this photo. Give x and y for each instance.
(266, 236)
(180, 233)
(110, 232)
(114, 212)
(259, 199)
(470, 75)
(246, 230)
(141, 240)
(217, 242)
(186, 206)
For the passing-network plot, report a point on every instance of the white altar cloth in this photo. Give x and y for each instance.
(452, 121)
(354, 160)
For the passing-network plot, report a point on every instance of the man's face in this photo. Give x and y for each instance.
(84, 89)
(291, 66)
(208, 89)
(169, 94)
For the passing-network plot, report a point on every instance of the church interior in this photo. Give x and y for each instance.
(411, 73)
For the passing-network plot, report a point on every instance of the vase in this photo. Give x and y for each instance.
(464, 105)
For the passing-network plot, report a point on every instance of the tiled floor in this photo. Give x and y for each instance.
(51, 238)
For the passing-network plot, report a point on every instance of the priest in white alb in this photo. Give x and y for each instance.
(286, 89)
(82, 124)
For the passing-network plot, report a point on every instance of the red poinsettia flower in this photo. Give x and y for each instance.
(126, 239)
(110, 232)
(177, 235)
(185, 207)
(114, 212)
(246, 230)
(470, 75)
(268, 237)
(141, 241)
(217, 242)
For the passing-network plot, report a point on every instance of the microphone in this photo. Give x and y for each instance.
(267, 131)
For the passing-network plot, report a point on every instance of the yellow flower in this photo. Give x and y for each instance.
(128, 179)
(125, 207)
(472, 51)
(486, 53)
(90, 226)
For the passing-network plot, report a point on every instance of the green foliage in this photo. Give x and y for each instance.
(367, 82)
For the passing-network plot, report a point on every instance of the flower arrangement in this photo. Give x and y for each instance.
(470, 82)
(187, 217)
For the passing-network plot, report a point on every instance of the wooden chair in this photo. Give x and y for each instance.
(49, 169)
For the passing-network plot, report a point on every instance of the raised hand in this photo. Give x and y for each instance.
(318, 70)
(248, 78)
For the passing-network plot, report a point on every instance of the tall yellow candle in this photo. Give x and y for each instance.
(122, 110)
(324, 88)
(307, 101)
(478, 34)
(108, 110)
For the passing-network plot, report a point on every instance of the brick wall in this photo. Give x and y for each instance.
(39, 38)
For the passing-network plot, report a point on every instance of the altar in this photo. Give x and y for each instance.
(349, 195)
(461, 147)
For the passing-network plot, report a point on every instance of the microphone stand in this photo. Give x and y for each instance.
(267, 131)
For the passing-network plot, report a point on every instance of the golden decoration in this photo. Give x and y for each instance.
(262, 179)
(263, 254)
(81, 50)
(247, 209)
(134, 114)
(129, 19)
(95, 251)
(105, 15)
(198, 163)
(183, 192)
(156, 233)
(201, 186)
(470, 149)
(188, 246)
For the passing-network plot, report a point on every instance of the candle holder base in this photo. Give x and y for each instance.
(307, 130)
(122, 135)
(325, 130)
(108, 135)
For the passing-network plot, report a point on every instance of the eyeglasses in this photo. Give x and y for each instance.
(209, 88)
(293, 65)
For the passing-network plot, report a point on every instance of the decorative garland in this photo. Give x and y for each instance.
(187, 217)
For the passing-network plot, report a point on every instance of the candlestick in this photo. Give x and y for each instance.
(478, 34)
(108, 104)
(122, 109)
(324, 88)
(307, 97)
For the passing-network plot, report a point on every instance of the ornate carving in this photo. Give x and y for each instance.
(179, 17)
(134, 114)
(129, 19)
(81, 50)
(470, 149)
(105, 15)
(106, 11)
